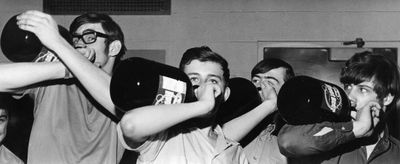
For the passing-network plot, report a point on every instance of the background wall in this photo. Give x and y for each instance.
(233, 27)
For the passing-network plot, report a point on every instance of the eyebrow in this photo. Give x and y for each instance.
(216, 76)
(209, 75)
(267, 77)
(193, 73)
(84, 31)
(365, 86)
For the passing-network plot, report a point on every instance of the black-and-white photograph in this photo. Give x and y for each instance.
(199, 82)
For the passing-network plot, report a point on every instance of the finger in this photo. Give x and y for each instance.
(353, 115)
(199, 91)
(31, 25)
(375, 113)
(264, 83)
(217, 90)
(264, 87)
(36, 18)
(375, 110)
(264, 90)
(28, 21)
(268, 88)
(273, 89)
(25, 16)
(35, 12)
(39, 14)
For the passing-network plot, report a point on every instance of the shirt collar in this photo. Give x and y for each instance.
(382, 145)
(222, 143)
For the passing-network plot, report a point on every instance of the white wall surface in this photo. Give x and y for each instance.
(234, 27)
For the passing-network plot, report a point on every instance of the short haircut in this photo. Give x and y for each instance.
(6, 102)
(205, 54)
(272, 63)
(111, 28)
(367, 66)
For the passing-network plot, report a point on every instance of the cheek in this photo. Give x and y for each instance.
(101, 55)
(362, 101)
(256, 84)
(3, 128)
(278, 88)
(101, 58)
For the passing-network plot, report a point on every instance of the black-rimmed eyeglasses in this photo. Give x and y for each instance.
(88, 37)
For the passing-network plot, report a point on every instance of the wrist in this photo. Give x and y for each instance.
(205, 107)
(269, 106)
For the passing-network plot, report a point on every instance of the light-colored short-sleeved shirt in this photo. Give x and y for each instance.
(264, 148)
(6, 156)
(193, 146)
(69, 129)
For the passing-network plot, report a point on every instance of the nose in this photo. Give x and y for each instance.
(78, 42)
(257, 84)
(350, 94)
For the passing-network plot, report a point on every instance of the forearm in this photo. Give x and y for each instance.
(302, 140)
(18, 75)
(239, 127)
(140, 123)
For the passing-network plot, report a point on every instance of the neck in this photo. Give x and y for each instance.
(108, 67)
(370, 148)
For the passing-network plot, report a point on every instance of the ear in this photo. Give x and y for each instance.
(114, 48)
(227, 93)
(388, 99)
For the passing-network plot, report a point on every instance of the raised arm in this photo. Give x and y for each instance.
(140, 123)
(95, 80)
(301, 140)
(15, 76)
(238, 128)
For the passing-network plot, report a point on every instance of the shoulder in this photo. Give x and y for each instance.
(394, 146)
(394, 141)
(7, 156)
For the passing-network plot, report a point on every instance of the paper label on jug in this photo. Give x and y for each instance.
(170, 91)
(333, 100)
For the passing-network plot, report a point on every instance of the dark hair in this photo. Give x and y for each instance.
(204, 54)
(111, 28)
(6, 102)
(367, 66)
(272, 63)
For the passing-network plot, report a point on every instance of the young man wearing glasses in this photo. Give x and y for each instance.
(70, 115)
